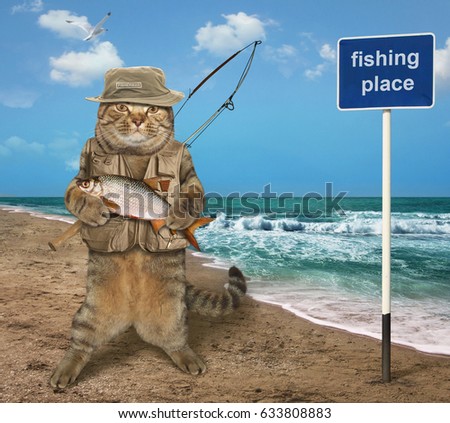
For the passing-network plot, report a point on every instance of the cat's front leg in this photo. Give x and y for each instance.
(179, 222)
(186, 208)
(87, 208)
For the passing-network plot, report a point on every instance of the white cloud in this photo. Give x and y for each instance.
(28, 6)
(281, 54)
(65, 149)
(64, 143)
(315, 72)
(55, 20)
(78, 68)
(72, 164)
(286, 57)
(239, 30)
(328, 54)
(16, 144)
(81, 68)
(18, 98)
(442, 66)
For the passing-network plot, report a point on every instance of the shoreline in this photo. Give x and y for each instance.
(276, 355)
(222, 264)
(218, 263)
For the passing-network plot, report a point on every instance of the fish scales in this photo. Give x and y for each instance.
(135, 198)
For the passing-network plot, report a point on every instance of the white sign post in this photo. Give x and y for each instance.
(384, 73)
(386, 250)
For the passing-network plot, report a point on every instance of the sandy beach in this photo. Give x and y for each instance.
(261, 353)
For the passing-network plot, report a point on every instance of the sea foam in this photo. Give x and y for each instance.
(359, 223)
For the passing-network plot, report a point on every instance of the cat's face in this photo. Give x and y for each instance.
(134, 128)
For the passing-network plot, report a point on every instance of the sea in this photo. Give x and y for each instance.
(321, 259)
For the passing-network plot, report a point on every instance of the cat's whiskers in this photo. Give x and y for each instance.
(113, 131)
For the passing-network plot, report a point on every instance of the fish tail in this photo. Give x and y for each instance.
(189, 232)
(212, 304)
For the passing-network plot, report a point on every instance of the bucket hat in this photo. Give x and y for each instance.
(141, 84)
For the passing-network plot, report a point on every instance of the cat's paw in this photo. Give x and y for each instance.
(69, 368)
(188, 361)
(65, 374)
(93, 212)
(60, 379)
(179, 223)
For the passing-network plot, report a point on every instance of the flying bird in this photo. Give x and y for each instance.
(92, 32)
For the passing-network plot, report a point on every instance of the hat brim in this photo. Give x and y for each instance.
(166, 100)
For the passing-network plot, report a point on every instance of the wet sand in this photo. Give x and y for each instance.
(261, 353)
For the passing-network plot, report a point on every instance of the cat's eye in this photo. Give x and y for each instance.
(121, 107)
(152, 109)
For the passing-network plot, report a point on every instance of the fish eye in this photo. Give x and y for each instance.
(85, 184)
(153, 109)
(122, 107)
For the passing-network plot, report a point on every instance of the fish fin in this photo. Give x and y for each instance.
(189, 232)
(152, 183)
(164, 185)
(112, 206)
(191, 238)
(157, 224)
(201, 221)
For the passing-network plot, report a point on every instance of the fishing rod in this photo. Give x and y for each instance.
(228, 103)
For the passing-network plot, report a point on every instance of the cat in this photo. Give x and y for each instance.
(135, 281)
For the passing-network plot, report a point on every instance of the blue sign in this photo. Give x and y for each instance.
(386, 72)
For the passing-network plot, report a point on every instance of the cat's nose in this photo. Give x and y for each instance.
(137, 122)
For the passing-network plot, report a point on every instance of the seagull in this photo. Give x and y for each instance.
(92, 32)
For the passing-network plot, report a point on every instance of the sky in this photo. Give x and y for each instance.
(285, 133)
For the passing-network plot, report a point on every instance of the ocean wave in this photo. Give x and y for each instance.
(357, 223)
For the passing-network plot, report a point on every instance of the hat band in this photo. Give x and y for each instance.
(132, 89)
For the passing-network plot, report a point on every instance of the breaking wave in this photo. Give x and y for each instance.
(358, 223)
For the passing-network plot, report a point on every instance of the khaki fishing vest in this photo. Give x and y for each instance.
(121, 234)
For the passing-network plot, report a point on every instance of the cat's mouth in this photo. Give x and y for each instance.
(137, 131)
(137, 136)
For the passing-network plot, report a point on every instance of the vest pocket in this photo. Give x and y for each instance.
(169, 241)
(115, 235)
(103, 164)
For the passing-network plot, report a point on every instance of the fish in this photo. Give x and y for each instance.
(136, 199)
(126, 196)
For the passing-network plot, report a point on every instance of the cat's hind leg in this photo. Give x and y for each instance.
(180, 352)
(91, 328)
(103, 315)
(164, 324)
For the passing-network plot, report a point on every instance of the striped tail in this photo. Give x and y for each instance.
(213, 304)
